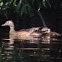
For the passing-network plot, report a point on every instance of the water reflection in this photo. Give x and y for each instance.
(42, 49)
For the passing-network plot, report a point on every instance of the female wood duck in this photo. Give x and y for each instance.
(23, 33)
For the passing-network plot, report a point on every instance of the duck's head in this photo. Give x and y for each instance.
(8, 23)
(46, 30)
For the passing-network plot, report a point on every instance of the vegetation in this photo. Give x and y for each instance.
(25, 6)
(12, 9)
(21, 6)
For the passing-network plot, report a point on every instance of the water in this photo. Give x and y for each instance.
(34, 50)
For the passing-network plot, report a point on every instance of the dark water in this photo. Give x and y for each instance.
(38, 50)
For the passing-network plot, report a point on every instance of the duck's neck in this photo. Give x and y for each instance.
(12, 29)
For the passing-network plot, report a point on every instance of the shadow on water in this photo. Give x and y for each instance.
(45, 49)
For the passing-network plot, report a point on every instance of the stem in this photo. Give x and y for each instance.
(44, 24)
(38, 12)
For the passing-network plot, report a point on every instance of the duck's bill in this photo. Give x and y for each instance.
(3, 25)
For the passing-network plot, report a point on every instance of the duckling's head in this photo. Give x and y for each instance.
(8, 23)
(46, 30)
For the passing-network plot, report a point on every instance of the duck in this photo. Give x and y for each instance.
(48, 32)
(23, 33)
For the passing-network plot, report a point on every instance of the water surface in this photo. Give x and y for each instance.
(33, 50)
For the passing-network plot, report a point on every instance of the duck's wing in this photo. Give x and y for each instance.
(27, 30)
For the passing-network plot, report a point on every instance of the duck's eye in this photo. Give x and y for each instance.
(36, 30)
(10, 22)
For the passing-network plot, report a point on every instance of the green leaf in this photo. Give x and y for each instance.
(14, 3)
(48, 3)
(25, 9)
(22, 10)
(44, 3)
(1, 3)
(4, 8)
(28, 7)
(19, 5)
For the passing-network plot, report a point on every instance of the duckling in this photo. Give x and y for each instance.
(49, 32)
(23, 33)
